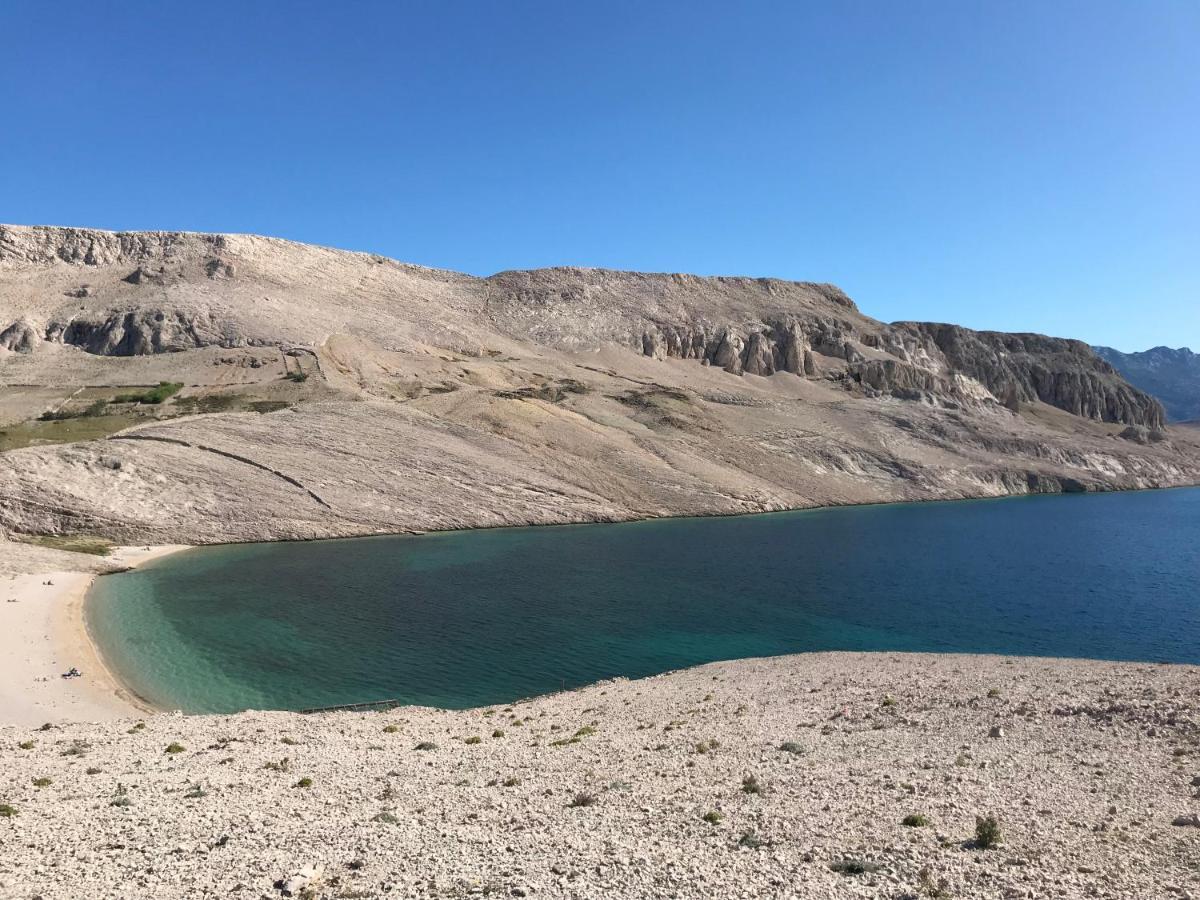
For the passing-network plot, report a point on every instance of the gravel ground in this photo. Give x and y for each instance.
(756, 778)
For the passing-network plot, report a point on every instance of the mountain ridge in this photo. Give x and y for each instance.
(325, 392)
(1170, 374)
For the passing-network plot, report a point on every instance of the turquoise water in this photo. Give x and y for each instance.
(472, 618)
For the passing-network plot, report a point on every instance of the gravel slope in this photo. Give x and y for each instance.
(1091, 765)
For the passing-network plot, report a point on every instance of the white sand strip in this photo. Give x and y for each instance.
(42, 635)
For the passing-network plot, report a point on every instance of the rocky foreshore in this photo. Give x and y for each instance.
(786, 777)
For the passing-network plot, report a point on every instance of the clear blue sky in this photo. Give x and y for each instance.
(1013, 165)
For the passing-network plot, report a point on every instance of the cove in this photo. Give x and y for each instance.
(461, 619)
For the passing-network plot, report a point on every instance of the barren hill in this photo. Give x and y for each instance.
(315, 392)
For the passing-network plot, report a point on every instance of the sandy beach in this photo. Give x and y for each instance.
(43, 634)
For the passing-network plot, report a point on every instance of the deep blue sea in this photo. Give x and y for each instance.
(464, 619)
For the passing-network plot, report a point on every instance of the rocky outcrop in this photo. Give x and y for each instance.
(1022, 368)
(783, 346)
(143, 332)
(41, 246)
(20, 337)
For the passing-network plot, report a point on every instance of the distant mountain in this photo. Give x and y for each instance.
(1173, 376)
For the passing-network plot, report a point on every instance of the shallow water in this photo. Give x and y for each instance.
(471, 618)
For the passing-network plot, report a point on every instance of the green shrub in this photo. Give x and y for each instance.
(791, 747)
(584, 799)
(7, 810)
(994, 693)
(42, 782)
(498, 733)
(175, 747)
(390, 729)
(26, 745)
(511, 781)
(750, 839)
(304, 783)
(987, 832)
(915, 820)
(712, 817)
(289, 741)
(473, 739)
(151, 396)
(851, 866)
(426, 745)
(751, 785)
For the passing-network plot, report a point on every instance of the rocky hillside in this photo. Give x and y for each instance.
(1173, 376)
(309, 392)
(166, 292)
(821, 775)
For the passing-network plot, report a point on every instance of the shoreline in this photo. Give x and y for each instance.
(45, 633)
(51, 627)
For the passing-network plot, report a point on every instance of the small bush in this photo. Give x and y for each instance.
(151, 396)
(585, 731)
(750, 840)
(751, 785)
(511, 781)
(987, 832)
(850, 866)
(993, 693)
(175, 747)
(93, 770)
(195, 792)
(390, 729)
(426, 745)
(304, 783)
(473, 739)
(386, 818)
(42, 782)
(791, 747)
(707, 746)
(712, 817)
(299, 377)
(7, 810)
(140, 726)
(888, 700)
(932, 888)
(915, 820)
(121, 798)
(498, 733)
(26, 745)
(584, 799)
(289, 741)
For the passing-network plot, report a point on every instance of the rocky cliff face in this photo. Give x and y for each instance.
(764, 326)
(146, 293)
(1173, 376)
(1018, 368)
